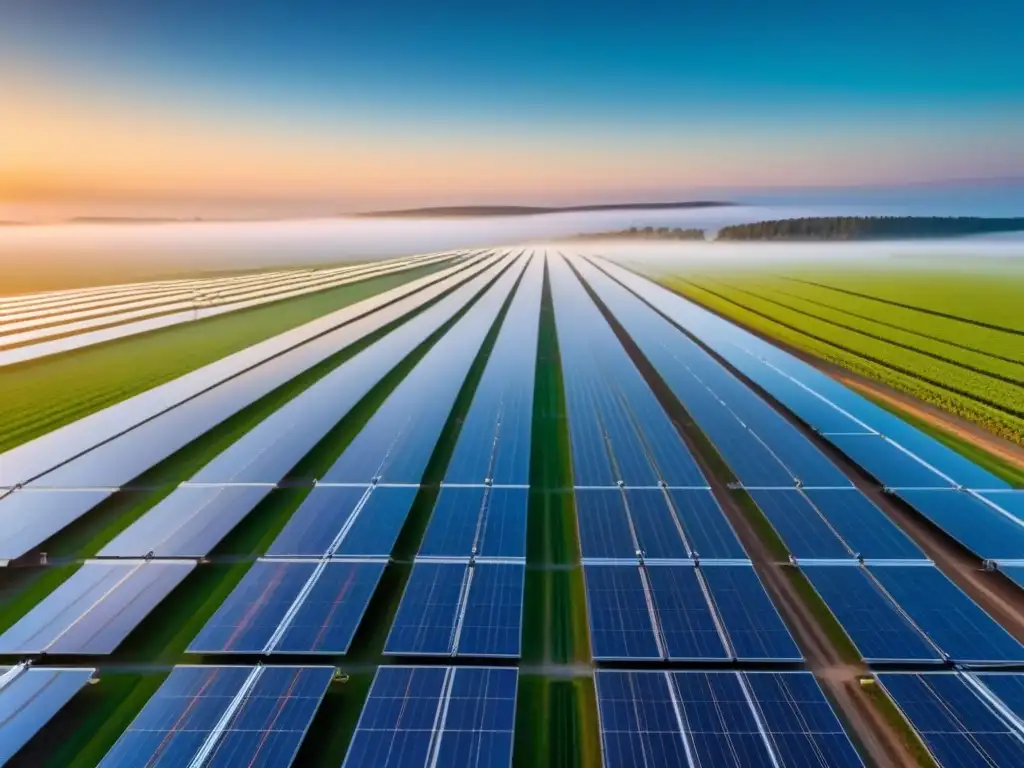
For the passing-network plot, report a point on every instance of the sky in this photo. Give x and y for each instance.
(292, 107)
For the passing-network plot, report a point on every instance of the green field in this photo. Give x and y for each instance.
(41, 395)
(953, 339)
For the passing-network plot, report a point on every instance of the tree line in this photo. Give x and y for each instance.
(869, 228)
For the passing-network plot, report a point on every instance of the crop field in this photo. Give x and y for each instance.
(954, 340)
(523, 514)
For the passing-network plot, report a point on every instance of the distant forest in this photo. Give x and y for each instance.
(869, 228)
(523, 210)
(647, 233)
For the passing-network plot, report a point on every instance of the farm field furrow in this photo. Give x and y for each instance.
(994, 404)
(1002, 357)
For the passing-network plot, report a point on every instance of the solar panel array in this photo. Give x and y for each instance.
(963, 719)
(434, 716)
(970, 504)
(224, 717)
(718, 718)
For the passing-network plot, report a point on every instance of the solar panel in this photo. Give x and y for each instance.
(863, 526)
(450, 608)
(801, 528)
(799, 720)
(1015, 573)
(375, 527)
(28, 518)
(188, 523)
(619, 614)
(717, 718)
(1010, 501)
(223, 717)
(957, 727)
(686, 621)
(1008, 688)
(315, 525)
(434, 716)
(948, 616)
(706, 527)
(284, 606)
(494, 441)
(396, 443)
(658, 532)
(603, 524)
(874, 624)
(889, 465)
(95, 609)
(979, 528)
(491, 520)
(29, 698)
(749, 618)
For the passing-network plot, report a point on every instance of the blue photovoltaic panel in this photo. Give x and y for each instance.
(880, 632)
(376, 526)
(657, 530)
(30, 698)
(889, 465)
(330, 613)
(958, 728)
(188, 523)
(493, 620)
(1010, 501)
(95, 609)
(801, 724)
(863, 526)
(450, 609)
(491, 519)
(317, 521)
(707, 529)
(978, 527)
(687, 622)
(637, 720)
(603, 524)
(426, 617)
(28, 518)
(620, 621)
(248, 618)
(804, 531)
(396, 443)
(718, 720)
(269, 710)
(1008, 686)
(278, 609)
(755, 629)
(961, 629)
(415, 717)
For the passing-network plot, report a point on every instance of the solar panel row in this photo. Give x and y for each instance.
(397, 441)
(820, 401)
(963, 719)
(95, 609)
(618, 430)
(718, 719)
(436, 716)
(683, 613)
(458, 608)
(292, 606)
(263, 455)
(761, 447)
(670, 524)
(222, 717)
(494, 441)
(29, 698)
(911, 613)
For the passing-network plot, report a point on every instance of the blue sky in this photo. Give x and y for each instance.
(599, 98)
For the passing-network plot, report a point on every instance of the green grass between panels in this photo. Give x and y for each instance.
(41, 395)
